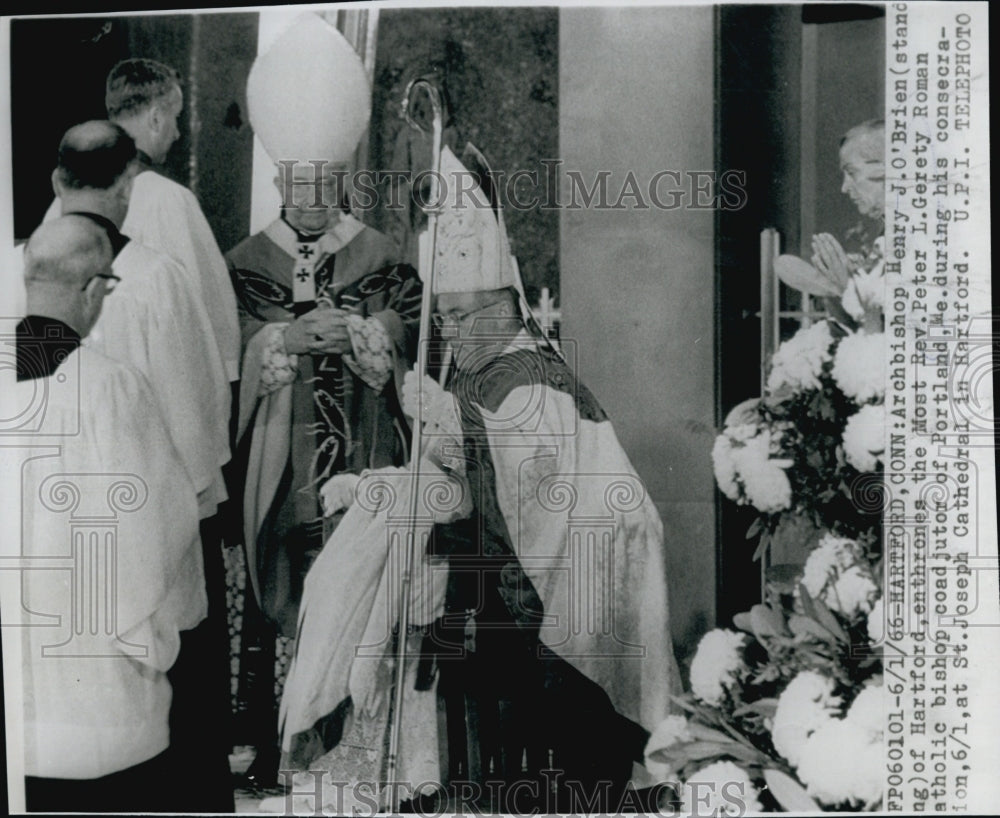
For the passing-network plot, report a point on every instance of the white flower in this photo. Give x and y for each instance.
(767, 487)
(799, 360)
(853, 592)
(725, 466)
(827, 560)
(859, 366)
(876, 622)
(834, 573)
(865, 292)
(840, 764)
(721, 788)
(745, 470)
(716, 662)
(864, 437)
(764, 479)
(868, 711)
(805, 705)
(672, 730)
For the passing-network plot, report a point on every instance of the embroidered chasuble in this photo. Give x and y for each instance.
(305, 418)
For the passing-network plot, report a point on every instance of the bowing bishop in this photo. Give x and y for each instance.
(558, 572)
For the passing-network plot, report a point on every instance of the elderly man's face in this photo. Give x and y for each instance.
(864, 178)
(475, 322)
(166, 130)
(308, 209)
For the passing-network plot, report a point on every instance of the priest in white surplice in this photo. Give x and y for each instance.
(110, 526)
(156, 322)
(153, 320)
(144, 97)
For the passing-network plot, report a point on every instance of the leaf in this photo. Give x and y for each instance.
(742, 622)
(686, 703)
(826, 618)
(811, 607)
(781, 578)
(673, 755)
(801, 275)
(704, 750)
(762, 545)
(767, 622)
(702, 733)
(795, 537)
(823, 615)
(755, 528)
(807, 626)
(764, 707)
(789, 793)
(701, 750)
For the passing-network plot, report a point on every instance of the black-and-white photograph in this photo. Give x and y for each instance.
(482, 409)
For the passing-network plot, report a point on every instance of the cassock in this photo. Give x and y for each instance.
(110, 535)
(156, 323)
(306, 418)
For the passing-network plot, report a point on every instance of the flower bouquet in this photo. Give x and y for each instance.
(785, 709)
(785, 712)
(811, 447)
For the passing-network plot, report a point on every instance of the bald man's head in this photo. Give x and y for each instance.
(67, 251)
(95, 155)
(97, 163)
(67, 267)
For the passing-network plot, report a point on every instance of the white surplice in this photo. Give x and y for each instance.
(349, 607)
(166, 216)
(156, 323)
(112, 569)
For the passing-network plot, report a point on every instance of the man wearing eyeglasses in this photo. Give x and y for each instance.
(560, 568)
(62, 308)
(96, 692)
(157, 323)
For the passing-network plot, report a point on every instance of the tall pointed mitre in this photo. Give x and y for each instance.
(472, 252)
(308, 95)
